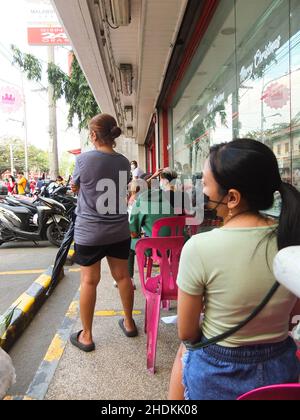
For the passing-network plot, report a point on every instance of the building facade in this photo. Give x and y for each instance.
(182, 75)
(239, 77)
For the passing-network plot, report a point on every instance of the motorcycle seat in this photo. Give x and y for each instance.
(18, 211)
(27, 203)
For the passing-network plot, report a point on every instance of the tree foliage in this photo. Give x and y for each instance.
(37, 158)
(28, 63)
(74, 88)
(67, 165)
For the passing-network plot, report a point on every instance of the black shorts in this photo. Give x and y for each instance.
(89, 255)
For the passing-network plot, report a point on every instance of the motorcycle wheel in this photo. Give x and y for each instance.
(55, 234)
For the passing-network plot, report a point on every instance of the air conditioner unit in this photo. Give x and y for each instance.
(126, 77)
(120, 12)
(128, 113)
(130, 131)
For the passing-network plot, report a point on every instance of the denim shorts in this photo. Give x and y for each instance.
(225, 373)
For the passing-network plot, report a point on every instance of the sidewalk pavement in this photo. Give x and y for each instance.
(117, 369)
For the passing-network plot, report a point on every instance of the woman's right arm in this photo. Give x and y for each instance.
(190, 280)
(75, 185)
(189, 312)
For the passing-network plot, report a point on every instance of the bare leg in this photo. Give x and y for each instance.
(176, 389)
(90, 278)
(120, 273)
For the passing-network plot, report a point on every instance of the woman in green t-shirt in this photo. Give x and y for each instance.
(230, 270)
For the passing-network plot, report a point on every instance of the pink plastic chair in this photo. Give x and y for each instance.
(284, 392)
(176, 225)
(160, 287)
(193, 228)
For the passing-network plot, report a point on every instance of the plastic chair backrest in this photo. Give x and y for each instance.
(175, 225)
(169, 249)
(287, 392)
(286, 268)
(194, 227)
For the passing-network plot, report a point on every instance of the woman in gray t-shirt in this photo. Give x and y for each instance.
(101, 230)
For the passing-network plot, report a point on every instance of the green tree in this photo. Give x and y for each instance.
(75, 88)
(67, 165)
(37, 158)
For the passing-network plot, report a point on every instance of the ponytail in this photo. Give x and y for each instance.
(289, 222)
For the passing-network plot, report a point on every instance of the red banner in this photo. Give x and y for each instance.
(47, 36)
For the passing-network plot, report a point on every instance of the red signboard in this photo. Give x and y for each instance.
(47, 36)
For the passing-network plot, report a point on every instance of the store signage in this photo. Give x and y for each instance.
(276, 96)
(43, 27)
(47, 36)
(10, 100)
(216, 102)
(259, 58)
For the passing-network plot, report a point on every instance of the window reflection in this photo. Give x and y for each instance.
(243, 82)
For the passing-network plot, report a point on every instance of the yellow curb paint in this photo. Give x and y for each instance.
(115, 313)
(44, 280)
(55, 350)
(24, 302)
(17, 398)
(73, 309)
(20, 272)
(74, 270)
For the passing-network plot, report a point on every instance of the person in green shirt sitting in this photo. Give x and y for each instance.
(159, 201)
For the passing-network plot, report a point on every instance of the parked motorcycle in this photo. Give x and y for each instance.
(46, 221)
(58, 194)
(61, 195)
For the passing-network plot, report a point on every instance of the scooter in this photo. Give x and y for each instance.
(59, 196)
(48, 223)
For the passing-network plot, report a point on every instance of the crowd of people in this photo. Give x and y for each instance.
(23, 186)
(224, 274)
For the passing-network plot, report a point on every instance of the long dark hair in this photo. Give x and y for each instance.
(251, 167)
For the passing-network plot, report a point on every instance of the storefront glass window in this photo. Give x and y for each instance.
(243, 82)
(203, 109)
(263, 56)
(295, 98)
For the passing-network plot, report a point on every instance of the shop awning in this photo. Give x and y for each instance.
(75, 151)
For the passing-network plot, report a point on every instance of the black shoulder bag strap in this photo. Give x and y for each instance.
(233, 330)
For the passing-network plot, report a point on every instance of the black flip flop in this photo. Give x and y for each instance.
(133, 333)
(84, 347)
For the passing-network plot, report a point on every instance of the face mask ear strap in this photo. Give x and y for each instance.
(219, 203)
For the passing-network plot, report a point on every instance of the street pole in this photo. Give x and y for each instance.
(53, 149)
(25, 129)
(12, 169)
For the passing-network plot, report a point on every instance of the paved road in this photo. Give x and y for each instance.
(20, 265)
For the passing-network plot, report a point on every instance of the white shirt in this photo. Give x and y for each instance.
(137, 173)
